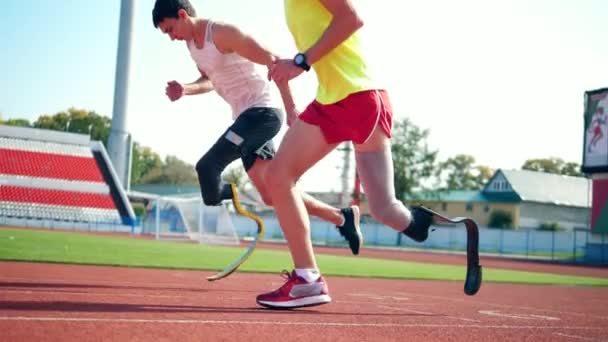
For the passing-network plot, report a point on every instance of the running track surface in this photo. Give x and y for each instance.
(53, 302)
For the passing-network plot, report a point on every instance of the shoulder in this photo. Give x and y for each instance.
(225, 36)
(223, 29)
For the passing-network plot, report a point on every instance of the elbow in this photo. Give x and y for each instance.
(357, 23)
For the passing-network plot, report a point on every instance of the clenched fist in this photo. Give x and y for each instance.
(174, 90)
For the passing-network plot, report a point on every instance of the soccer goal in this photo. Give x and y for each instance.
(188, 219)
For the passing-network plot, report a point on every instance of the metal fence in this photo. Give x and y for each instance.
(573, 246)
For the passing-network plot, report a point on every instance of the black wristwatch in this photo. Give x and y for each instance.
(300, 60)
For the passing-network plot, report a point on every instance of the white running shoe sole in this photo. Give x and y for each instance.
(357, 219)
(297, 303)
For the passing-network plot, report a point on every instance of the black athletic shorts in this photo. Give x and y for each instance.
(252, 132)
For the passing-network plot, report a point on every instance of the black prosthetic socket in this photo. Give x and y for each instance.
(209, 169)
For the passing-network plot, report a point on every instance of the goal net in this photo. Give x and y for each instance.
(188, 219)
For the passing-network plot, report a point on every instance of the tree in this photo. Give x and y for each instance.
(484, 173)
(413, 161)
(144, 160)
(179, 172)
(16, 122)
(78, 121)
(173, 171)
(460, 173)
(553, 165)
(146, 166)
(236, 174)
(57, 122)
(500, 219)
(550, 226)
(572, 169)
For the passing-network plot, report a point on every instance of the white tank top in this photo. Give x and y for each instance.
(234, 78)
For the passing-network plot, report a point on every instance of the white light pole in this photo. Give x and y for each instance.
(118, 142)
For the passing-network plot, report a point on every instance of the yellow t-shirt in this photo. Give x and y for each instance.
(342, 71)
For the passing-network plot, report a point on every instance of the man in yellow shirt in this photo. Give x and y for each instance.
(348, 107)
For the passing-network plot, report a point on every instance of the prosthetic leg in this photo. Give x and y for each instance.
(229, 192)
(473, 279)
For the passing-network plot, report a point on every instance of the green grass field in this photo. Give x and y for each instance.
(78, 248)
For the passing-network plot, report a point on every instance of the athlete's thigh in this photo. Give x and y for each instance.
(302, 147)
(376, 142)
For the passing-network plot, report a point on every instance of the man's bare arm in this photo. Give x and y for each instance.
(229, 38)
(200, 86)
(285, 91)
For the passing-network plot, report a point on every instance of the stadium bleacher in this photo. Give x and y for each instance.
(48, 175)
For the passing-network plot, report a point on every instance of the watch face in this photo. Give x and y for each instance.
(299, 59)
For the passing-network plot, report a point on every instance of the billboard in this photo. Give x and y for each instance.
(595, 144)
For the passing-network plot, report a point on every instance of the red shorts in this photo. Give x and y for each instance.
(353, 118)
(597, 130)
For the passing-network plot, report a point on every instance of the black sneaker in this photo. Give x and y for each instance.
(350, 230)
(418, 230)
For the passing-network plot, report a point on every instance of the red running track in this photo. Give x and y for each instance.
(53, 302)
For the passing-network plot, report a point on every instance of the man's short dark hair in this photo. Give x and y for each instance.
(168, 9)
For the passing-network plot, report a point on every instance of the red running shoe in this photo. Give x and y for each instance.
(296, 293)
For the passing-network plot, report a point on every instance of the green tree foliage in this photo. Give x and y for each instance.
(77, 121)
(550, 226)
(146, 166)
(500, 219)
(414, 162)
(572, 169)
(172, 171)
(461, 173)
(235, 173)
(553, 165)
(16, 122)
(144, 160)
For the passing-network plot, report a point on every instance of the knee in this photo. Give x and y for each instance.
(275, 178)
(257, 173)
(266, 198)
(203, 164)
(381, 211)
(377, 212)
(209, 181)
(263, 191)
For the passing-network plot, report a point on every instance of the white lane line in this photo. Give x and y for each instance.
(119, 284)
(408, 310)
(518, 315)
(429, 313)
(286, 323)
(91, 294)
(378, 296)
(372, 303)
(509, 306)
(576, 337)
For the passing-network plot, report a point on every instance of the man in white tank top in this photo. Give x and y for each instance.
(226, 58)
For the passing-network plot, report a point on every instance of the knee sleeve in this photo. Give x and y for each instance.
(376, 174)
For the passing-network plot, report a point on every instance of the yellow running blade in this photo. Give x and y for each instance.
(235, 265)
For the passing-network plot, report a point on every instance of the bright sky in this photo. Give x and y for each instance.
(502, 81)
